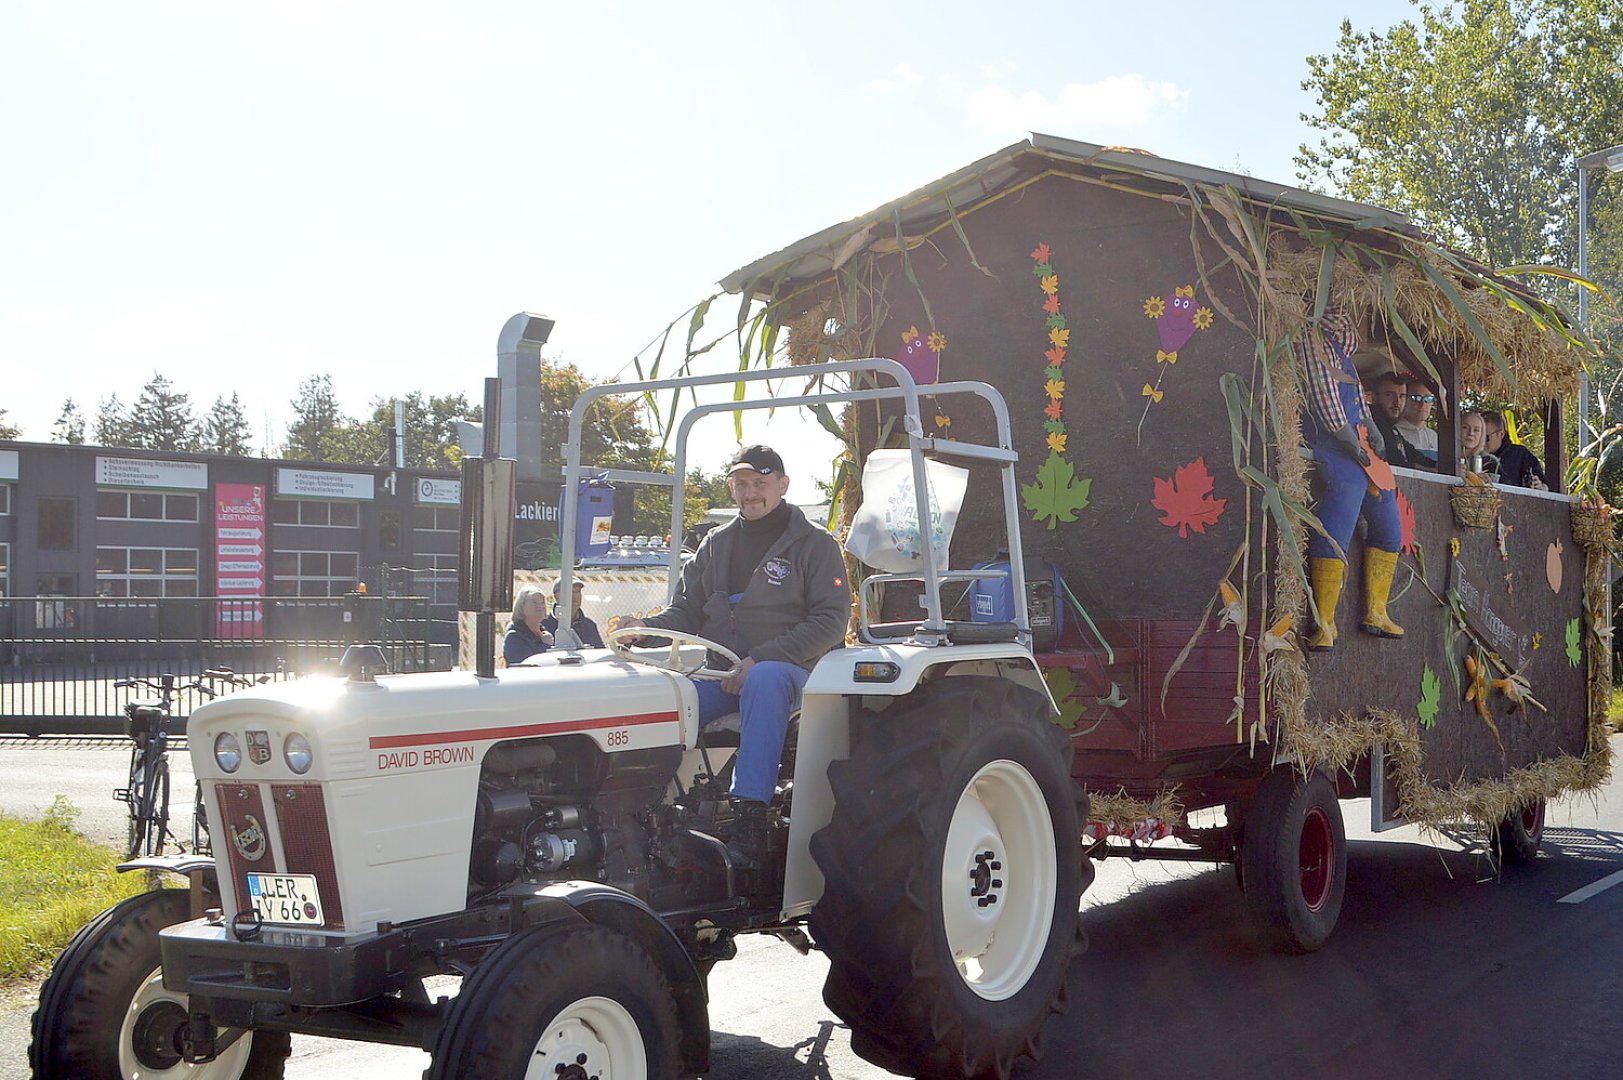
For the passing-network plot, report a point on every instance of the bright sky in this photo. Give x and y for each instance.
(242, 195)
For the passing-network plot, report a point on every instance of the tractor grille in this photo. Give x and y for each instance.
(301, 816)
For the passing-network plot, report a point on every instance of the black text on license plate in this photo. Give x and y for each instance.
(290, 899)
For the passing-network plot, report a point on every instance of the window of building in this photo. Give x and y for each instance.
(5, 569)
(345, 515)
(435, 518)
(56, 525)
(438, 578)
(314, 573)
(145, 506)
(139, 571)
(5, 499)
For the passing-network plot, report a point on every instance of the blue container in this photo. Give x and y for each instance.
(594, 519)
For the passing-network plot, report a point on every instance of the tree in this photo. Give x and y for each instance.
(112, 423)
(8, 431)
(226, 430)
(70, 424)
(320, 431)
(430, 428)
(614, 433)
(162, 418)
(1470, 121)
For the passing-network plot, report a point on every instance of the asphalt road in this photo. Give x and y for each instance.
(1436, 969)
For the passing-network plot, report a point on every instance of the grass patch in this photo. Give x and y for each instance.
(55, 882)
(1614, 711)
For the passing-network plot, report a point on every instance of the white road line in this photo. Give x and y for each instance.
(1592, 889)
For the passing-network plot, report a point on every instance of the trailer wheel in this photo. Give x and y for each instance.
(1519, 836)
(952, 869)
(1294, 859)
(104, 1011)
(555, 1001)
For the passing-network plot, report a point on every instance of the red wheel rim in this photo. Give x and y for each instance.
(1316, 857)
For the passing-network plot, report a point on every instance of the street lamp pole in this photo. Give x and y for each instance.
(1610, 159)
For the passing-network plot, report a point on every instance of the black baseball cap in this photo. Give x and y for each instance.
(761, 459)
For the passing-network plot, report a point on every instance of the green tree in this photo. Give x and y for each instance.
(1470, 120)
(162, 418)
(8, 430)
(615, 433)
(226, 430)
(70, 424)
(430, 428)
(321, 432)
(112, 423)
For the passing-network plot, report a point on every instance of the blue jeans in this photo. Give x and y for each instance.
(771, 693)
(1346, 498)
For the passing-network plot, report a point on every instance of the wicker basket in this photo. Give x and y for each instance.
(1475, 505)
(1592, 527)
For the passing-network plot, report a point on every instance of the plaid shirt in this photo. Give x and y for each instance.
(1331, 402)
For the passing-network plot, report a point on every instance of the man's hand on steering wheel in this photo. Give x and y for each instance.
(734, 684)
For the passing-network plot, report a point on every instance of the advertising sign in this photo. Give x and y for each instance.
(142, 473)
(239, 560)
(310, 484)
(439, 492)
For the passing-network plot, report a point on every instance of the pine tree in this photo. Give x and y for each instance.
(8, 431)
(162, 418)
(112, 423)
(226, 430)
(320, 432)
(70, 425)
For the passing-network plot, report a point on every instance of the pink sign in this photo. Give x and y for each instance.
(239, 560)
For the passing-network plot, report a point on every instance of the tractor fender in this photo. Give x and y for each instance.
(838, 672)
(604, 905)
(198, 870)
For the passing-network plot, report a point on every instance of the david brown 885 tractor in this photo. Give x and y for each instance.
(549, 833)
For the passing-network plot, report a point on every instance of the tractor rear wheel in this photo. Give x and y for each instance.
(953, 870)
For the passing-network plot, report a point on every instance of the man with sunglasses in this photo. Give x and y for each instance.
(1412, 424)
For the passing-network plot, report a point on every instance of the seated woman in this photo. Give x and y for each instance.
(1518, 466)
(526, 635)
(1474, 441)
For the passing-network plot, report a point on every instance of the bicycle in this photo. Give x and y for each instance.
(146, 723)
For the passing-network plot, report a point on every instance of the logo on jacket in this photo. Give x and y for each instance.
(777, 569)
(250, 842)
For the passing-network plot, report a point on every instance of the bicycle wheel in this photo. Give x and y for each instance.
(134, 797)
(201, 844)
(158, 808)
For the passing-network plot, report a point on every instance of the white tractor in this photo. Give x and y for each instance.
(549, 833)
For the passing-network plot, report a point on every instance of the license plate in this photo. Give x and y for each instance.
(288, 899)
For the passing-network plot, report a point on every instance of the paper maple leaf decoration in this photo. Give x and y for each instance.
(1058, 494)
(1431, 689)
(1062, 684)
(1186, 500)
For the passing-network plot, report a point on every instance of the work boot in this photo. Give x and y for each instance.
(746, 838)
(1378, 568)
(1327, 576)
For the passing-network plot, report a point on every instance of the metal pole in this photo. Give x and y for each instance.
(485, 621)
(1585, 432)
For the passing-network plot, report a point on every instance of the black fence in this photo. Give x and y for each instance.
(60, 656)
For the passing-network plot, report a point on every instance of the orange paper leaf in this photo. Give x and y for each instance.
(1053, 410)
(1040, 254)
(1055, 356)
(1051, 305)
(1186, 501)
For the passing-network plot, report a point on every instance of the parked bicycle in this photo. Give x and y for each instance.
(146, 722)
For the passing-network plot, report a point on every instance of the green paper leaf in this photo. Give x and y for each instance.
(1053, 373)
(1054, 427)
(1062, 685)
(1042, 270)
(1058, 494)
(1575, 652)
(1056, 321)
(1431, 688)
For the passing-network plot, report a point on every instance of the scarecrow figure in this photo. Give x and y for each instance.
(1357, 482)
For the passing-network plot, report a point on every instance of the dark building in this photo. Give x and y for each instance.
(87, 532)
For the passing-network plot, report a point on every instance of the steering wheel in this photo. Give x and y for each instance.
(618, 641)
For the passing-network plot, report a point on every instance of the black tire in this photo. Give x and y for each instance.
(962, 764)
(560, 991)
(84, 1030)
(1518, 837)
(1293, 859)
(201, 844)
(135, 834)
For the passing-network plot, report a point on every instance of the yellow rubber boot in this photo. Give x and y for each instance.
(1326, 576)
(1378, 568)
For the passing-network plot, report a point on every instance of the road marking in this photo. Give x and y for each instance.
(1592, 889)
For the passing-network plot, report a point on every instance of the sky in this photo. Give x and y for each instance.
(242, 196)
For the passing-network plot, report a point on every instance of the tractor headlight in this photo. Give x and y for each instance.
(296, 751)
(227, 752)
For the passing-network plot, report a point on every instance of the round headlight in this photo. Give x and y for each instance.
(296, 749)
(227, 752)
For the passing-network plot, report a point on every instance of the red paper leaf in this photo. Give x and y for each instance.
(1051, 305)
(1185, 501)
(1406, 519)
(1041, 254)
